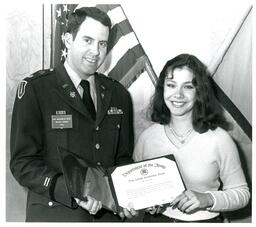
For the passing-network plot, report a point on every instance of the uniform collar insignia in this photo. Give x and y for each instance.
(72, 94)
(64, 86)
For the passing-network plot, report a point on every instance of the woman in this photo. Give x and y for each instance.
(189, 123)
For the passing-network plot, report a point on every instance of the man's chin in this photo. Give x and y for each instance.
(90, 72)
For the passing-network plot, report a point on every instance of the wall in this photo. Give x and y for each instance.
(25, 53)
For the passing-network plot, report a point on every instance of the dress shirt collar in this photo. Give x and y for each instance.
(72, 74)
(76, 78)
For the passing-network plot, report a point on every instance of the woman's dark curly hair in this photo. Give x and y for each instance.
(207, 112)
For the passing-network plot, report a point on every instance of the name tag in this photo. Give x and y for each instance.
(62, 121)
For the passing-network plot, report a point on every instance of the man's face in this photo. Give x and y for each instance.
(88, 50)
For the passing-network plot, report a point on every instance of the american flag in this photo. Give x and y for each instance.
(126, 59)
(59, 50)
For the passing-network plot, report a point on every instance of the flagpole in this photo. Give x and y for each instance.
(52, 39)
(229, 39)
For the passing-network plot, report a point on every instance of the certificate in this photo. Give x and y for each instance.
(137, 185)
(147, 183)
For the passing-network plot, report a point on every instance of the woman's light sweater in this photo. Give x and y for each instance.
(202, 161)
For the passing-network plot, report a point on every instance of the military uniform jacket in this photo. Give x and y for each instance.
(49, 112)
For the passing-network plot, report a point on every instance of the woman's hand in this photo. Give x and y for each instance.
(189, 201)
(128, 213)
(155, 209)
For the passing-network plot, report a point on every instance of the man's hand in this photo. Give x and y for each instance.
(91, 205)
(128, 213)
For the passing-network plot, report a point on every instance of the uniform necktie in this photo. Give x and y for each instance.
(87, 99)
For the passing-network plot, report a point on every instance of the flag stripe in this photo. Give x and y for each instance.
(116, 15)
(103, 7)
(113, 11)
(107, 7)
(119, 30)
(87, 4)
(120, 24)
(234, 111)
(134, 72)
(125, 43)
(126, 62)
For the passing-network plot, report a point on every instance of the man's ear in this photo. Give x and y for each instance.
(68, 40)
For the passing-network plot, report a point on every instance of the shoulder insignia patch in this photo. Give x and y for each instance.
(21, 88)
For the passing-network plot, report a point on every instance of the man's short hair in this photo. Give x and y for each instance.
(76, 18)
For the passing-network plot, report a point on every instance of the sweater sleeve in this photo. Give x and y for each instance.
(139, 149)
(235, 192)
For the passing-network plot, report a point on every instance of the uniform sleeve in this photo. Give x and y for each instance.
(27, 147)
(235, 193)
(126, 139)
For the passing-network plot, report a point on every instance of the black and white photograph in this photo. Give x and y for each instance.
(128, 111)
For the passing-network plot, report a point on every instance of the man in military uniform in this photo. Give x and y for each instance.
(53, 109)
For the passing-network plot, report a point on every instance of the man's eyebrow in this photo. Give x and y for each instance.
(86, 36)
(89, 37)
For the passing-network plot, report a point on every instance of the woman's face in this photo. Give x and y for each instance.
(179, 92)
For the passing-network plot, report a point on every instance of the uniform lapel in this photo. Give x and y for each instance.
(68, 92)
(103, 98)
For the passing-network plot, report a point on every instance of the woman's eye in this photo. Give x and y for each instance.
(189, 86)
(170, 85)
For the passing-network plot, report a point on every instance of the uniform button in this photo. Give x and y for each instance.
(118, 126)
(97, 128)
(97, 146)
(50, 203)
(98, 163)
